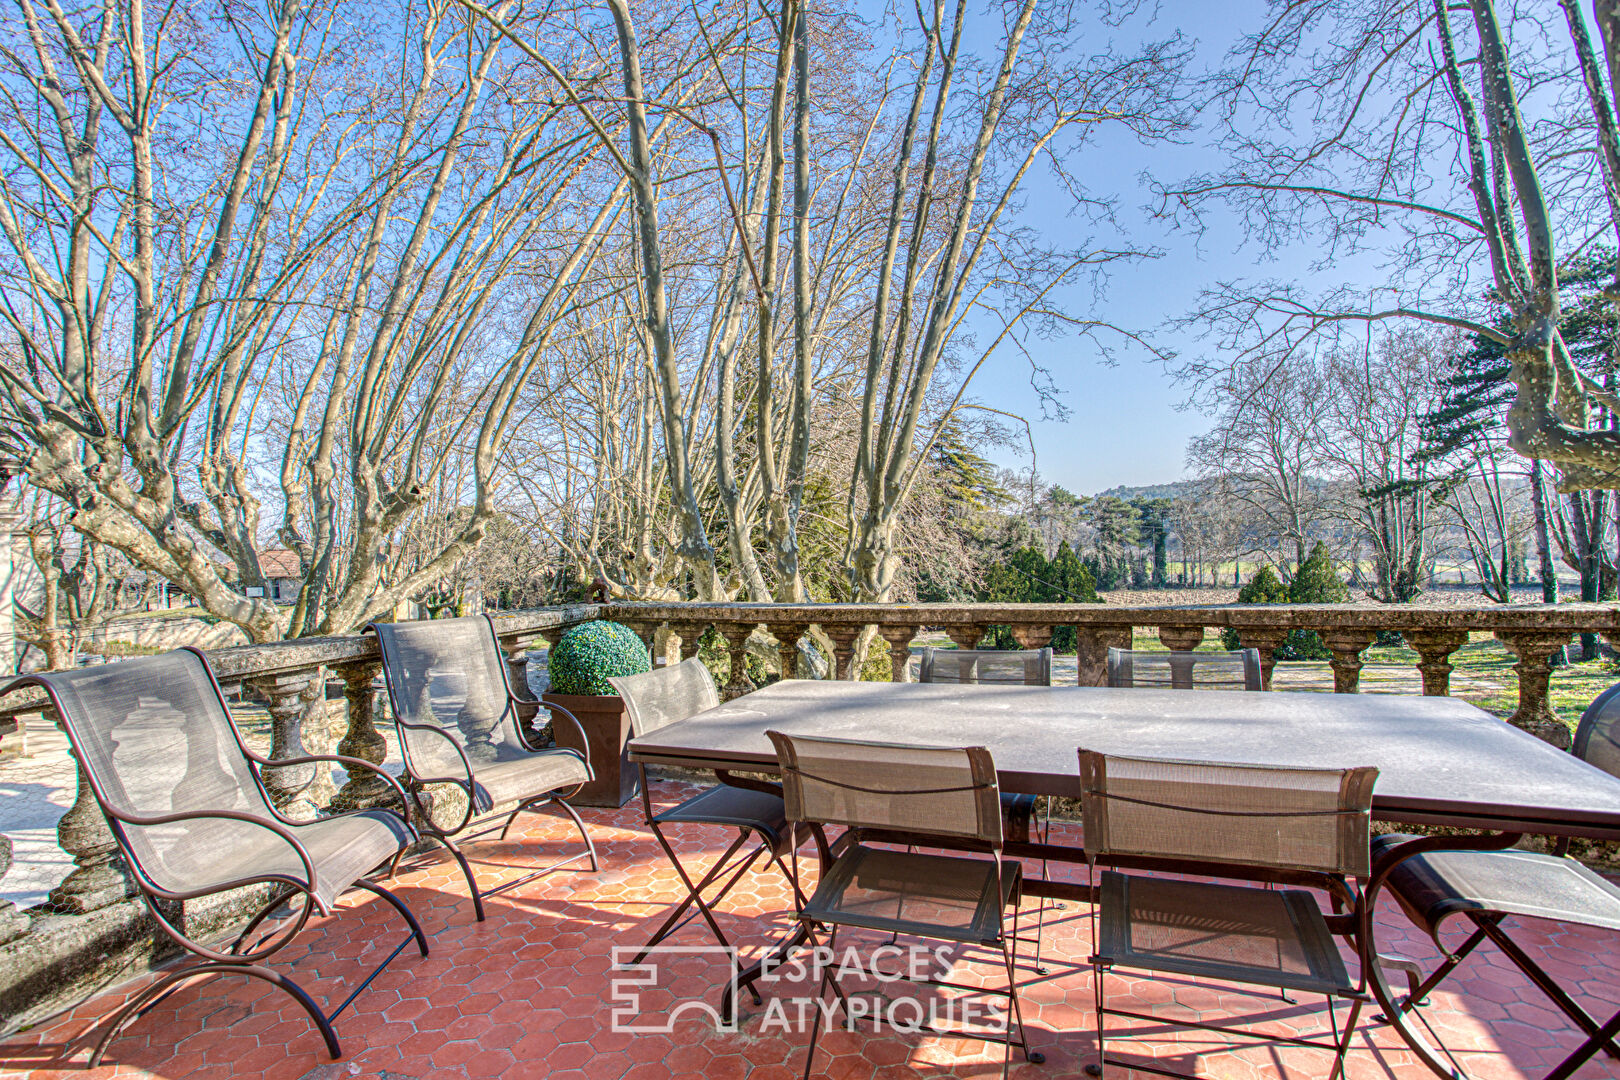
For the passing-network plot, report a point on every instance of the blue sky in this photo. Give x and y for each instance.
(1125, 426)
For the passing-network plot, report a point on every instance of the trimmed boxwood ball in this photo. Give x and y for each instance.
(591, 653)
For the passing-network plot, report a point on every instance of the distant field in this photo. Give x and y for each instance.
(1459, 595)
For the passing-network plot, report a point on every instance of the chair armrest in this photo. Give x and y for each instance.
(433, 729)
(349, 763)
(584, 743)
(143, 820)
(512, 703)
(464, 783)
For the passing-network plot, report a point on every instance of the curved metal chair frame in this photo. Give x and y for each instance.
(240, 958)
(418, 778)
(663, 696)
(1486, 887)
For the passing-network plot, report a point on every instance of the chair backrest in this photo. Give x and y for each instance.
(667, 694)
(1238, 670)
(940, 790)
(449, 674)
(1597, 737)
(1253, 815)
(1018, 667)
(155, 738)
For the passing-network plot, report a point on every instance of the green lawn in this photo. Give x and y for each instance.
(1483, 674)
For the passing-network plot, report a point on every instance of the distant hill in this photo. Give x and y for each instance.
(1152, 491)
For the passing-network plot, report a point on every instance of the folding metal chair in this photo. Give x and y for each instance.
(948, 792)
(1238, 670)
(1005, 667)
(1010, 667)
(1486, 887)
(663, 696)
(458, 724)
(185, 802)
(1309, 821)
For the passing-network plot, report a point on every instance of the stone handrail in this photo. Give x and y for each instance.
(92, 926)
(1532, 632)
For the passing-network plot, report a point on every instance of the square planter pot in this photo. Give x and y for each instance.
(607, 730)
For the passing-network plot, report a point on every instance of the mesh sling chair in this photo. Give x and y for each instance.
(661, 697)
(457, 720)
(1485, 887)
(1006, 667)
(1310, 822)
(1016, 667)
(184, 800)
(946, 792)
(1238, 670)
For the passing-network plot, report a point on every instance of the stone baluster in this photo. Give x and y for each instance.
(13, 921)
(1181, 639)
(787, 646)
(844, 636)
(1032, 635)
(966, 635)
(516, 652)
(1434, 649)
(363, 789)
(1347, 647)
(687, 634)
(298, 791)
(1266, 640)
(899, 639)
(648, 633)
(736, 635)
(1091, 647)
(527, 707)
(99, 877)
(1535, 713)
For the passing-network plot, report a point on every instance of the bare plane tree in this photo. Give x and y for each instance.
(1418, 140)
(946, 207)
(1265, 452)
(352, 261)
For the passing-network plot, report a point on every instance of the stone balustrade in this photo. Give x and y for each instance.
(93, 928)
(1531, 632)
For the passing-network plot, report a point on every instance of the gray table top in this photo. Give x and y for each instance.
(1440, 761)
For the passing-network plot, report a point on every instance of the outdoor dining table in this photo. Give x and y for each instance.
(1441, 761)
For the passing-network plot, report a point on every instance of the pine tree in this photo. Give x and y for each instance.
(1317, 581)
(968, 479)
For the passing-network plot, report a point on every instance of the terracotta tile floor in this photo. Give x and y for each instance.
(527, 993)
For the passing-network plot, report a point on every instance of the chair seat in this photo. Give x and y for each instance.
(1230, 932)
(1439, 884)
(734, 806)
(217, 852)
(528, 777)
(909, 892)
